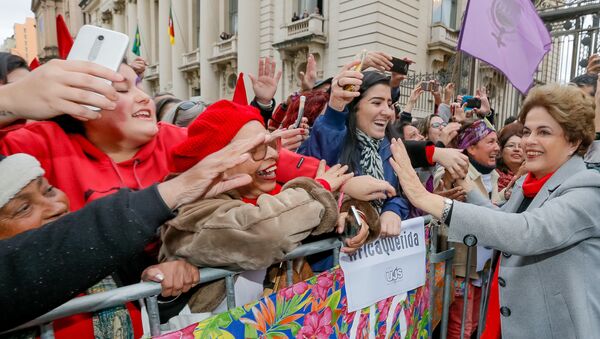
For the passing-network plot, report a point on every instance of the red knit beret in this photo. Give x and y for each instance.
(211, 131)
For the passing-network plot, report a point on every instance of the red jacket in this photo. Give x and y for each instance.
(82, 170)
(85, 173)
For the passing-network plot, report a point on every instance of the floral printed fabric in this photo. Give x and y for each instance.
(316, 308)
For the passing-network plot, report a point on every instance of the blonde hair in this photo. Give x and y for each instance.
(570, 107)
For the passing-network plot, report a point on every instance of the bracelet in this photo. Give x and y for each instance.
(265, 107)
(447, 208)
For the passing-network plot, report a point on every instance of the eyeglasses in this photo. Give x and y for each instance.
(260, 152)
(439, 124)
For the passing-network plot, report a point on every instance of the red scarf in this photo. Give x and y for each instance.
(252, 201)
(531, 187)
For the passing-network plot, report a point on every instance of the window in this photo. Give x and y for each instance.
(233, 16)
(310, 6)
(444, 12)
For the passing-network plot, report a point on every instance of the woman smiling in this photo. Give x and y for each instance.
(548, 232)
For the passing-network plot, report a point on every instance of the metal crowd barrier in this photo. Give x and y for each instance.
(150, 290)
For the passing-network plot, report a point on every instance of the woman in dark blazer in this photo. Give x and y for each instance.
(548, 232)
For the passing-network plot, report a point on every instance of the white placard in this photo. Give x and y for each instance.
(386, 267)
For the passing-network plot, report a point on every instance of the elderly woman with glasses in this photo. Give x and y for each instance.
(546, 282)
(258, 223)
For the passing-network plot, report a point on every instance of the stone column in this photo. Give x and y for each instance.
(153, 35)
(165, 74)
(119, 17)
(180, 86)
(209, 33)
(248, 39)
(131, 24)
(51, 45)
(144, 24)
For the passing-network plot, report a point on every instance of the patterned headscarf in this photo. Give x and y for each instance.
(473, 133)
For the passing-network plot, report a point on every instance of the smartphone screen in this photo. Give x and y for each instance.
(400, 66)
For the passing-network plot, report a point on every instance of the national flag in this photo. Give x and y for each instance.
(507, 34)
(63, 37)
(171, 28)
(136, 42)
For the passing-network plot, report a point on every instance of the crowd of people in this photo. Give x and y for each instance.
(153, 188)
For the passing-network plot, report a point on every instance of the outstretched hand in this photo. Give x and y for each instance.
(61, 87)
(265, 85)
(207, 178)
(336, 175)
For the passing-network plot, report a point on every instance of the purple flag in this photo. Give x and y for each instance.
(507, 34)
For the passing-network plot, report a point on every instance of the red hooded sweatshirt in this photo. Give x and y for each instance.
(85, 173)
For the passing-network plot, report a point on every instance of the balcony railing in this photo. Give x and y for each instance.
(225, 50)
(311, 25)
(191, 60)
(443, 37)
(152, 72)
(191, 57)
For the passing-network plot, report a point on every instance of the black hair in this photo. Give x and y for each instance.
(349, 155)
(586, 80)
(8, 63)
(510, 120)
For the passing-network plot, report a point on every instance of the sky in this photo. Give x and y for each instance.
(11, 12)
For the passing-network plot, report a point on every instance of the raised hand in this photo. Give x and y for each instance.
(309, 76)
(206, 179)
(336, 175)
(449, 133)
(379, 60)
(448, 93)
(339, 97)
(265, 85)
(485, 109)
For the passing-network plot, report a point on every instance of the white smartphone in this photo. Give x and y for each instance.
(101, 46)
(300, 112)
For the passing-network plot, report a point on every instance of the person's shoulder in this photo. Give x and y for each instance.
(166, 130)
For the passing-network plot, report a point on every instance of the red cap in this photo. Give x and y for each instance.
(212, 130)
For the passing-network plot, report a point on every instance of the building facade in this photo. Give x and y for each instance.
(24, 40)
(205, 62)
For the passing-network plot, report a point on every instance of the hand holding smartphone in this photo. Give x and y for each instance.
(101, 46)
(358, 68)
(300, 112)
(400, 66)
(353, 223)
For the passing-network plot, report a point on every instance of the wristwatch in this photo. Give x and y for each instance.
(448, 203)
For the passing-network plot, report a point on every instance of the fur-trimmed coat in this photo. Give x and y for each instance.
(227, 232)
